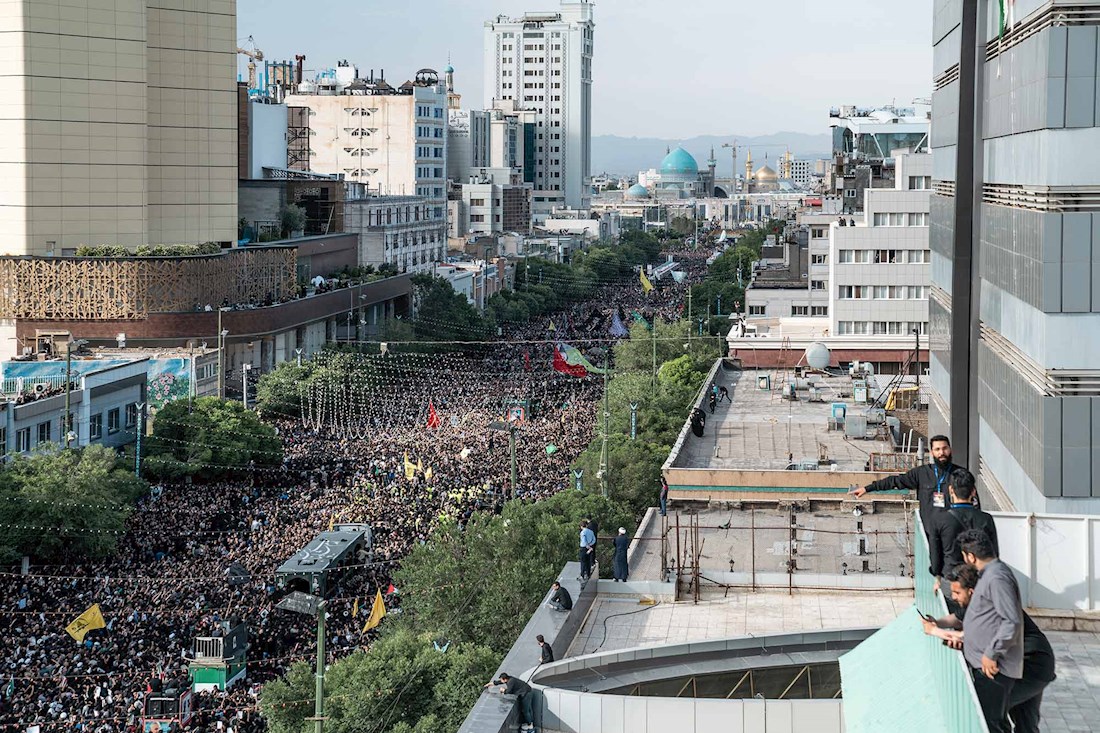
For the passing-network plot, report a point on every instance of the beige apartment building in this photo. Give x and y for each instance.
(117, 123)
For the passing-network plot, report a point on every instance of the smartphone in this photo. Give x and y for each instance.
(926, 617)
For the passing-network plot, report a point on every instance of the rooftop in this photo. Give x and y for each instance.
(763, 430)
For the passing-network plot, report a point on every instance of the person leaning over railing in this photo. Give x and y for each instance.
(1027, 694)
(944, 554)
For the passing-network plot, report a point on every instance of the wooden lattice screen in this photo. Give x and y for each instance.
(130, 288)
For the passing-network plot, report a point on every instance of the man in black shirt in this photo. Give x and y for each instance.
(929, 481)
(546, 654)
(510, 685)
(560, 600)
(943, 551)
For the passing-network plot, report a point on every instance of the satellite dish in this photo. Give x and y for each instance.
(817, 355)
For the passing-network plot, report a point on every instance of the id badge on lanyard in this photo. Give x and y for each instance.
(937, 495)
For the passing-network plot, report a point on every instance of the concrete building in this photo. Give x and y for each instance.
(863, 141)
(543, 63)
(119, 124)
(392, 140)
(1015, 300)
(878, 270)
(407, 232)
(501, 137)
(492, 202)
(105, 402)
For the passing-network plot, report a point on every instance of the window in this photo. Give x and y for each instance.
(112, 421)
(817, 285)
(887, 328)
(757, 310)
(477, 202)
(920, 256)
(918, 292)
(95, 426)
(918, 220)
(818, 259)
(848, 328)
(818, 232)
(882, 292)
(819, 310)
(477, 218)
(921, 328)
(854, 292)
(854, 256)
(800, 310)
(131, 414)
(23, 440)
(891, 219)
(849, 193)
(920, 183)
(889, 256)
(44, 431)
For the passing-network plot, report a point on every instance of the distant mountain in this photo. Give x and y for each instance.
(628, 155)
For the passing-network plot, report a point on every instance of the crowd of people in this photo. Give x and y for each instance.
(408, 444)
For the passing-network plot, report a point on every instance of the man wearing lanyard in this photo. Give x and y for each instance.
(944, 529)
(929, 481)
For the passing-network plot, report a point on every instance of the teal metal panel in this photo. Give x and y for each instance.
(780, 489)
(901, 680)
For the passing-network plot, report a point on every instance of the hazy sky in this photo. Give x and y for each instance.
(662, 68)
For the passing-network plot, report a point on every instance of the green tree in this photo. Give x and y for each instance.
(65, 503)
(682, 226)
(444, 315)
(480, 584)
(401, 684)
(278, 393)
(217, 438)
(292, 218)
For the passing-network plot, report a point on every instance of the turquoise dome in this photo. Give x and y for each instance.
(448, 69)
(637, 191)
(679, 161)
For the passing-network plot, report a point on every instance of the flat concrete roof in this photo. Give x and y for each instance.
(760, 429)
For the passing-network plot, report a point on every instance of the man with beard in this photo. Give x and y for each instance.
(929, 481)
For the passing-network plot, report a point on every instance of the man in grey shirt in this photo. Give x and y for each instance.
(993, 629)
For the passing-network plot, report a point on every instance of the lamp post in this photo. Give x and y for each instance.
(140, 430)
(67, 419)
(222, 333)
(245, 371)
(916, 362)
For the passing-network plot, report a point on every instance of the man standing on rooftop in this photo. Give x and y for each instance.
(929, 481)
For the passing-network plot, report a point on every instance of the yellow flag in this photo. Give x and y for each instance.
(331, 522)
(646, 284)
(355, 608)
(410, 469)
(551, 326)
(85, 622)
(377, 611)
(428, 473)
(419, 466)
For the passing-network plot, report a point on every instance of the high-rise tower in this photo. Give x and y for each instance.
(543, 62)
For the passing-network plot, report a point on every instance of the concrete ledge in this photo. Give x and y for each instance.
(493, 712)
(1064, 620)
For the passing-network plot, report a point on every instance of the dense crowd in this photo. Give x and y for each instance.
(360, 452)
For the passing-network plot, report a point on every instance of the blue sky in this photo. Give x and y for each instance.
(661, 68)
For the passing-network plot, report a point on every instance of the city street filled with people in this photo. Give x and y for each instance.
(410, 443)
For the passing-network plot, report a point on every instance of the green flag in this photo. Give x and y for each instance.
(551, 449)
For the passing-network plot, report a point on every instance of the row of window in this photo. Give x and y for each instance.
(400, 214)
(424, 110)
(880, 328)
(426, 191)
(426, 171)
(428, 151)
(884, 256)
(902, 219)
(43, 431)
(426, 131)
(883, 292)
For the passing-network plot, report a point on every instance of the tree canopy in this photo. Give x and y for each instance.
(216, 438)
(65, 503)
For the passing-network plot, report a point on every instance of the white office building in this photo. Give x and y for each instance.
(879, 269)
(542, 62)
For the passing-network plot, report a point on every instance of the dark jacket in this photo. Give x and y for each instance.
(514, 686)
(561, 595)
(547, 654)
(944, 552)
(925, 480)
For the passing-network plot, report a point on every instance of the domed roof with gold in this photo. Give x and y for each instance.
(765, 173)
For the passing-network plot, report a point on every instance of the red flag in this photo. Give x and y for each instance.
(391, 590)
(526, 360)
(433, 416)
(561, 365)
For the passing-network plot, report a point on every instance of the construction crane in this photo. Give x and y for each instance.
(253, 56)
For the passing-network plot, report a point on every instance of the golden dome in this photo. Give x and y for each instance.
(765, 173)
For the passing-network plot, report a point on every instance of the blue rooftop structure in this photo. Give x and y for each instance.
(679, 161)
(637, 191)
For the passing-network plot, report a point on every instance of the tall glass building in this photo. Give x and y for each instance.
(1015, 239)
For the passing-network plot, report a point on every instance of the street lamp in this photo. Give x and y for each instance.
(67, 418)
(140, 430)
(246, 370)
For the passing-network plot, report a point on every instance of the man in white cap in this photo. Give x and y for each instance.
(622, 542)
